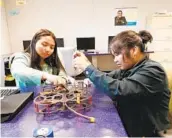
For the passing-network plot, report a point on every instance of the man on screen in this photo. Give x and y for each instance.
(119, 19)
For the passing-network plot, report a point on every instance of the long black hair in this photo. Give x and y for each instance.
(53, 60)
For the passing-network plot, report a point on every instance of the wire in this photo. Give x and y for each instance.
(92, 119)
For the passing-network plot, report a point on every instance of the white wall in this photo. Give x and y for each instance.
(75, 18)
(4, 35)
(5, 46)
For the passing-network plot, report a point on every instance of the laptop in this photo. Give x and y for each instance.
(12, 104)
(6, 91)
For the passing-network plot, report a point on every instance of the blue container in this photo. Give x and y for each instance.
(44, 132)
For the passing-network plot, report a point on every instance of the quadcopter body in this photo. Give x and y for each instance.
(59, 98)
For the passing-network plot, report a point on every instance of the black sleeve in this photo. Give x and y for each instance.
(145, 81)
(114, 74)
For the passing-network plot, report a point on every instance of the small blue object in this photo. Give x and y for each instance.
(43, 132)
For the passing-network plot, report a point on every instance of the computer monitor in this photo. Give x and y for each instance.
(60, 42)
(26, 44)
(85, 43)
(109, 40)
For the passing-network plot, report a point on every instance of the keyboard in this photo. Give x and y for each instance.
(6, 91)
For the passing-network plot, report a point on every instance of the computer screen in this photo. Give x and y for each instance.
(85, 43)
(60, 42)
(109, 40)
(26, 44)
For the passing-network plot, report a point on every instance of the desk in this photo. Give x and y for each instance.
(102, 61)
(108, 122)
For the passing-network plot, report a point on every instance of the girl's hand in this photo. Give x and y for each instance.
(80, 61)
(54, 79)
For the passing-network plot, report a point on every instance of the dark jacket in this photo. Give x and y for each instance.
(140, 94)
(120, 20)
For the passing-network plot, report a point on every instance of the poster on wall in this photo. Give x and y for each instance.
(126, 16)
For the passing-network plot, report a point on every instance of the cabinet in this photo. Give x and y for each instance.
(102, 61)
(161, 29)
